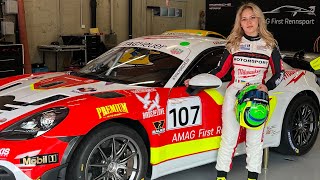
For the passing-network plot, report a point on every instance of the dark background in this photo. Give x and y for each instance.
(220, 15)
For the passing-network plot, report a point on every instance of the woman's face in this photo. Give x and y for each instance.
(249, 22)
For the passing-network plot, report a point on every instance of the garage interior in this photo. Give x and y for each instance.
(68, 22)
(64, 35)
(87, 28)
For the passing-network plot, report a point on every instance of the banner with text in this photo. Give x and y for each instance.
(294, 23)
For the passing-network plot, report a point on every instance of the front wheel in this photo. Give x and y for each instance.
(115, 152)
(300, 126)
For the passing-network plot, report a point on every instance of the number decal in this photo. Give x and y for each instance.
(184, 112)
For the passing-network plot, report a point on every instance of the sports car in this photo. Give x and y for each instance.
(126, 115)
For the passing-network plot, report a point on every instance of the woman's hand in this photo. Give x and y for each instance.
(186, 82)
(263, 87)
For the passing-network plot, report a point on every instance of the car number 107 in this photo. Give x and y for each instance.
(183, 112)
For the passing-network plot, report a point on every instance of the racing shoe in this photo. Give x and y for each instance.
(221, 175)
(252, 176)
(221, 178)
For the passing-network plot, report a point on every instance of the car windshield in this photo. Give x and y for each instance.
(133, 66)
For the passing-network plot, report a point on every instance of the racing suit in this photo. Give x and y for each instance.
(250, 64)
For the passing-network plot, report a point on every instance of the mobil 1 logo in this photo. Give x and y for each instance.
(40, 159)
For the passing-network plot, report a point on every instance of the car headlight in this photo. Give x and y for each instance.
(35, 125)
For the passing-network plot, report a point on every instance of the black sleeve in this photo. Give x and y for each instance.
(223, 65)
(275, 62)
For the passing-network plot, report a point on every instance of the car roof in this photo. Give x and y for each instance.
(194, 32)
(183, 47)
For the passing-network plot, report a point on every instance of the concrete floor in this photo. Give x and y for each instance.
(280, 168)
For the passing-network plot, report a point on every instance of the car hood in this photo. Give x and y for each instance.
(24, 95)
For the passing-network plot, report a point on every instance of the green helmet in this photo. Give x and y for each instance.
(252, 107)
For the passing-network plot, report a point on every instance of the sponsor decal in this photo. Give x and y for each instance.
(244, 72)
(218, 42)
(245, 47)
(151, 105)
(184, 112)
(144, 44)
(85, 89)
(176, 51)
(4, 152)
(201, 133)
(289, 73)
(112, 110)
(40, 159)
(158, 127)
(261, 48)
(291, 144)
(165, 37)
(255, 61)
(218, 6)
(293, 10)
(180, 70)
(63, 81)
(271, 130)
(184, 43)
(178, 34)
(143, 90)
(296, 78)
(2, 120)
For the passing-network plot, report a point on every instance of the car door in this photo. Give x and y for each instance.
(193, 123)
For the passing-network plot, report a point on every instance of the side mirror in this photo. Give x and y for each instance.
(201, 82)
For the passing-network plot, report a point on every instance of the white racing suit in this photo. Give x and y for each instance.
(250, 64)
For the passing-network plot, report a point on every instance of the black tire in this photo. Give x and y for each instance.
(300, 127)
(95, 156)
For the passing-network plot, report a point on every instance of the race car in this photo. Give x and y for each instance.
(126, 114)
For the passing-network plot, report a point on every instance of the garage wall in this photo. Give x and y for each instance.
(47, 20)
(42, 24)
(120, 19)
(103, 16)
(70, 15)
(144, 23)
(193, 13)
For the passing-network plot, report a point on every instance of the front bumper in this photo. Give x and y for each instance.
(31, 159)
(9, 171)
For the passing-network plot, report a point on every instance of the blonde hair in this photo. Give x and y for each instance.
(234, 39)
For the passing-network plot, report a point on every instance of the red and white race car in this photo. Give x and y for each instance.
(126, 115)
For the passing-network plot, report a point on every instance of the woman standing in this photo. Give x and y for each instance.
(250, 50)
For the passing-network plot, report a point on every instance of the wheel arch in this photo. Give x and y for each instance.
(305, 93)
(313, 95)
(133, 124)
(139, 128)
(302, 93)
(308, 93)
(270, 141)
